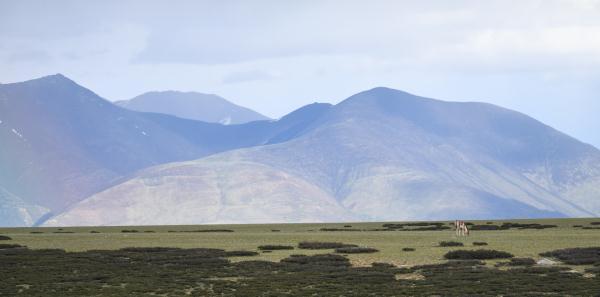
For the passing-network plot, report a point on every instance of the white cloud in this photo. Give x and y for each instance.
(274, 56)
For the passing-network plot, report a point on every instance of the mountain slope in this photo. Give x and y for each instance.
(62, 143)
(379, 155)
(15, 212)
(194, 106)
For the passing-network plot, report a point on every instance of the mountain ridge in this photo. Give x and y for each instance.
(384, 154)
(192, 105)
(63, 143)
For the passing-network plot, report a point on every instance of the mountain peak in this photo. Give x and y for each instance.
(192, 105)
(54, 78)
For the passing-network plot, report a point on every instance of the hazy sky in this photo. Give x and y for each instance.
(538, 57)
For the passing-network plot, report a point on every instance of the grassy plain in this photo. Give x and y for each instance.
(228, 262)
(521, 243)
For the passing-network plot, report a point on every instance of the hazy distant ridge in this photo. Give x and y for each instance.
(379, 155)
(192, 105)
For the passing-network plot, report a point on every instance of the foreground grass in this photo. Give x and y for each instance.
(225, 260)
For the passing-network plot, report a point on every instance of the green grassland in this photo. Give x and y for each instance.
(521, 243)
(213, 260)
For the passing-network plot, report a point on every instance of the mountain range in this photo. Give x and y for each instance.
(194, 106)
(70, 157)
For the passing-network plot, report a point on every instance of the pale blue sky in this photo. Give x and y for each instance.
(538, 57)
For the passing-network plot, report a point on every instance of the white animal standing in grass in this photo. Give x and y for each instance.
(461, 228)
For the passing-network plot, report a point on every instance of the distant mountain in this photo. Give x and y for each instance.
(191, 105)
(381, 154)
(61, 143)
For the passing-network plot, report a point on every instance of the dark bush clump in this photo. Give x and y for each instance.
(316, 245)
(94, 231)
(240, 254)
(129, 231)
(595, 223)
(576, 256)
(450, 243)
(479, 243)
(3, 237)
(577, 226)
(275, 230)
(408, 249)
(382, 265)
(321, 260)
(521, 262)
(421, 226)
(347, 226)
(476, 255)
(338, 229)
(430, 228)
(149, 231)
(272, 247)
(526, 226)
(10, 246)
(356, 250)
(148, 249)
(485, 227)
(211, 230)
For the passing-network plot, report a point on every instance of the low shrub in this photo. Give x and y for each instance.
(356, 250)
(275, 230)
(320, 260)
(576, 256)
(272, 247)
(149, 231)
(477, 255)
(407, 249)
(211, 230)
(148, 249)
(430, 228)
(10, 246)
(316, 245)
(347, 226)
(94, 231)
(485, 228)
(595, 223)
(129, 231)
(338, 229)
(3, 237)
(521, 262)
(382, 265)
(240, 254)
(526, 226)
(450, 243)
(479, 243)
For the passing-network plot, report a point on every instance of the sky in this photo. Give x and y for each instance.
(539, 57)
